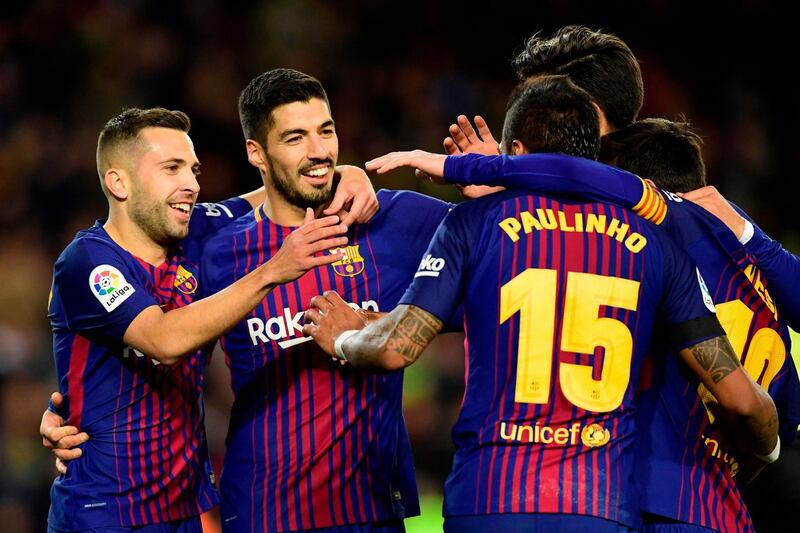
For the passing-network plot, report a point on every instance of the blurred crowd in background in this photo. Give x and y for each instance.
(397, 75)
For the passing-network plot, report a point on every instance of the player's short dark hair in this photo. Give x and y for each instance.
(600, 63)
(669, 153)
(126, 126)
(552, 114)
(272, 89)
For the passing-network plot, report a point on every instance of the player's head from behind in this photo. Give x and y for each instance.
(599, 63)
(290, 135)
(669, 153)
(148, 171)
(551, 114)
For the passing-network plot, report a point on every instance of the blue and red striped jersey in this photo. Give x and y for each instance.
(686, 468)
(560, 302)
(312, 443)
(146, 461)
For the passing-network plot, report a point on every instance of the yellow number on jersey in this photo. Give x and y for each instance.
(533, 294)
(766, 346)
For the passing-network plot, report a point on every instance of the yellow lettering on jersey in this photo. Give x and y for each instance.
(548, 219)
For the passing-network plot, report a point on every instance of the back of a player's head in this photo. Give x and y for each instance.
(669, 153)
(552, 114)
(600, 63)
(272, 89)
(122, 131)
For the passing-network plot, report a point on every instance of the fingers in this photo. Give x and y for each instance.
(390, 161)
(55, 433)
(321, 302)
(320, 223)
(312, 316)
(469, 131)
(483, 129)
(458, 137)
(68, 455)
(57, 399)
(72, 441)
(60, 466)
(351, 217)
(450, 146)
(309, 216)
(340, 197)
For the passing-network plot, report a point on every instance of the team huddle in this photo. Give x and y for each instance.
(627, 350)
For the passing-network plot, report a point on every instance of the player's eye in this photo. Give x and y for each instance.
(295, 139)
(172, 169)
(328, 132)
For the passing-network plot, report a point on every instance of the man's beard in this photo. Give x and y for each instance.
(150, 217)
(291, 192)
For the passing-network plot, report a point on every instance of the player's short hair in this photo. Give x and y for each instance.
(669, 153)
(552, 114)
(125, 127)
(272, 89)
(599, 63)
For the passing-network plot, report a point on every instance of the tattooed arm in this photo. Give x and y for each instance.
(393, 342)
(744, 408)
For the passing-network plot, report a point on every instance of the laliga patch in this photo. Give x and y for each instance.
(704, 290)
(109, 286)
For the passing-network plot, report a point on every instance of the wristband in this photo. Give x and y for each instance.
(337, 344)
(773, 456)
(747, 233)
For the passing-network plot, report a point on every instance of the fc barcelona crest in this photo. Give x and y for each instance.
(185, 281)
(352, 264)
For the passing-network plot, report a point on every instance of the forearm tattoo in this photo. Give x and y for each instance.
(716, 356)
(414, 330)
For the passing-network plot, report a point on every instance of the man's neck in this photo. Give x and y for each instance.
(131, 237)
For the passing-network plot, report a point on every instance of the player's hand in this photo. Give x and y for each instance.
(298, 253)
(465, 140)
(354, 199)
(327, 317)
(431, 164)
(712, 201)
(62, 440)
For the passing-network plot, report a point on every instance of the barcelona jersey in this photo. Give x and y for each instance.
(686, 469)
(312, 443)
(560, 301)
(146, 460)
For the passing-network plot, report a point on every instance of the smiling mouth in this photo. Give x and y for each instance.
(183, 207)
(317, 172)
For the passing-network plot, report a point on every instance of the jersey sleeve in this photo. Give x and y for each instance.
(555, 174)
(686, 303)
(438, 285)
(209, 217)
(97, 291)
(782, 270)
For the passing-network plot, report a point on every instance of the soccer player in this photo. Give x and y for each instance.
(128, 328)
(560, 300)
(312, 444)
(683, 478)
(604, 66)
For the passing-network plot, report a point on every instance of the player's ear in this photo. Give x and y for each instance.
(601, 118)
(116, 183)
(255, 154)
(517, 148)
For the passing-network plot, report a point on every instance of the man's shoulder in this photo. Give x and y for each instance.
(390, 199)
(87, 244)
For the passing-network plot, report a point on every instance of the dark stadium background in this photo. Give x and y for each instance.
(397, 74)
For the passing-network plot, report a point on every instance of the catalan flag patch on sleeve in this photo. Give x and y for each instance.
(652, 205)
